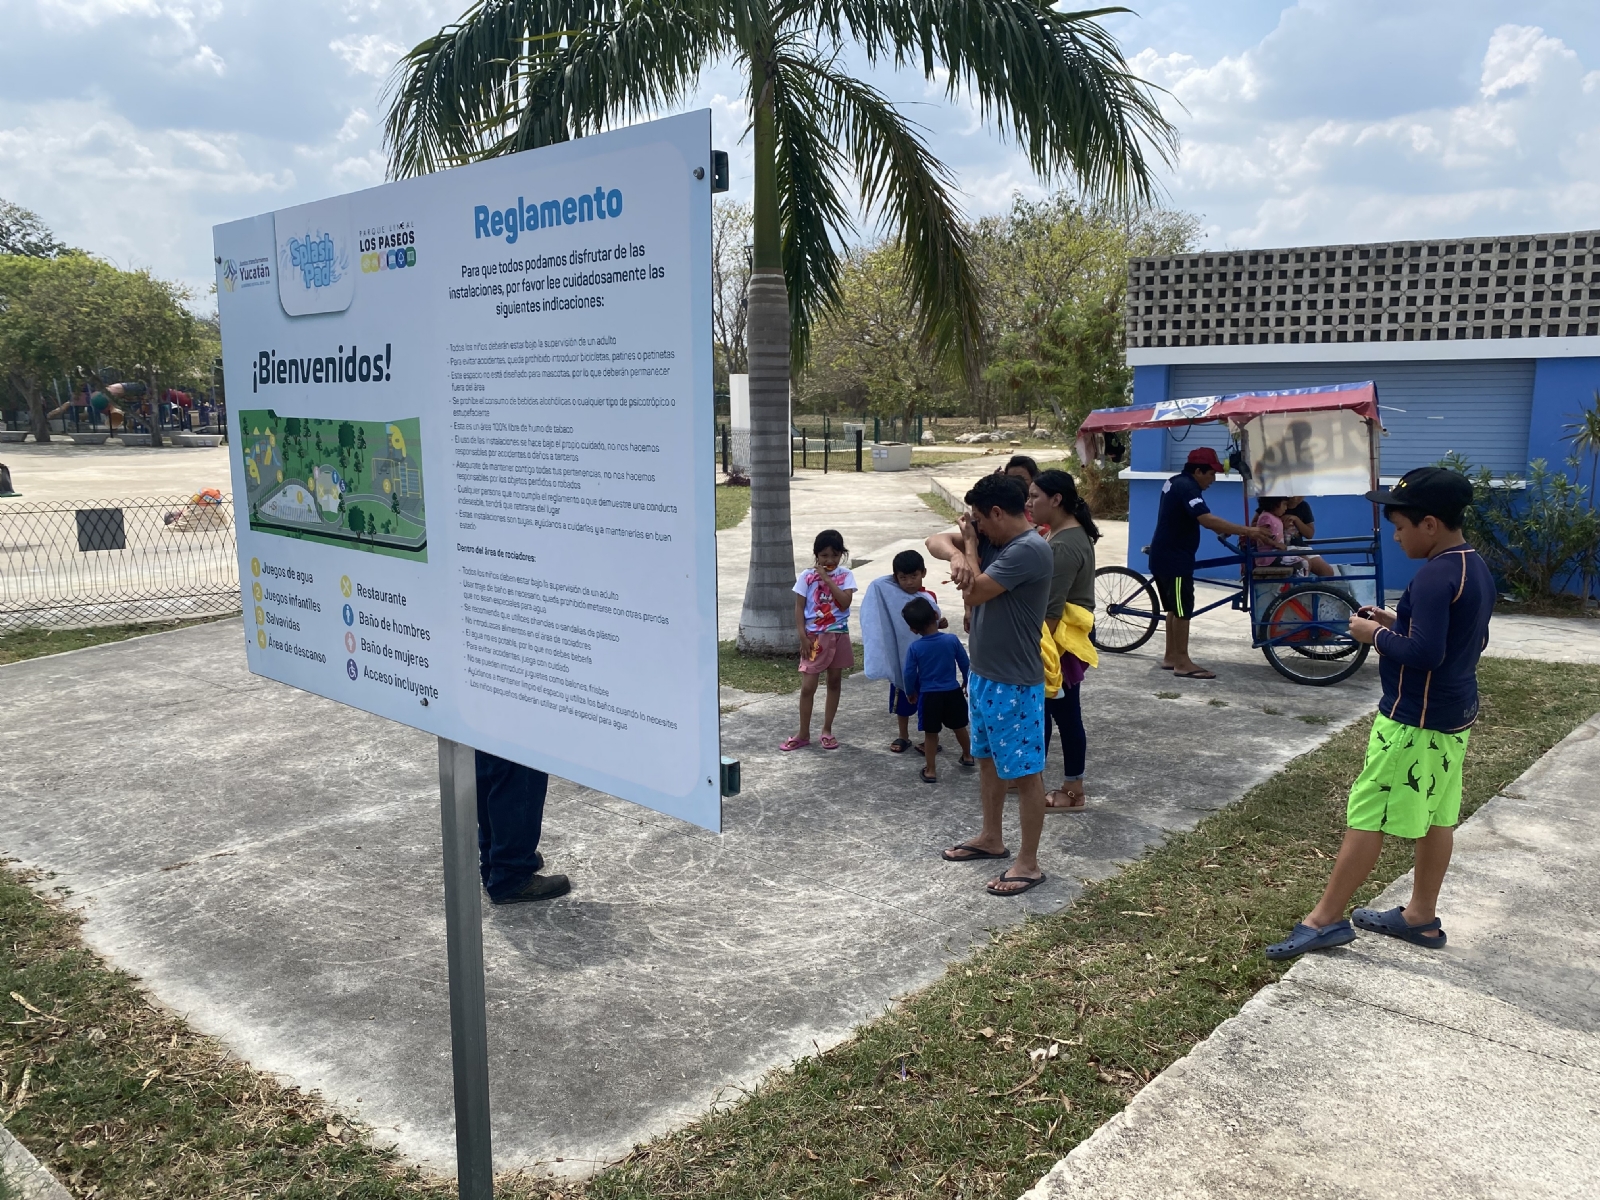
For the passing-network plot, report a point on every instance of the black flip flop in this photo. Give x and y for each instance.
(899, 745)
(920, 748)
(922, 774)
(1202, 673)
(1008, 877)
(966, 762)
(974, 853)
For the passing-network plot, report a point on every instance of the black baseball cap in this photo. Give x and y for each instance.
(1432, 491)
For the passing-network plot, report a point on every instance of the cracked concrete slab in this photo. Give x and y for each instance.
(269, 865)
(1383, 1069)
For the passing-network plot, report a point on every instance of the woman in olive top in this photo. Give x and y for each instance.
(1053, 502)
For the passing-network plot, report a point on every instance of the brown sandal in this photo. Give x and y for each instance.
(1070, 801)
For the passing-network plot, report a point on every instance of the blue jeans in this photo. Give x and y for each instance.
(510, 819)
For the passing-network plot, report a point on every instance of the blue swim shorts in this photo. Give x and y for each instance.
(1008, 726)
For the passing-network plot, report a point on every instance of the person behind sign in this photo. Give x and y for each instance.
(1179, 519)
(510, 822)
(822, 596)
(1410, 785)
(1004, 572)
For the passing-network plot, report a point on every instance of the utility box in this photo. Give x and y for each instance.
(891, 456)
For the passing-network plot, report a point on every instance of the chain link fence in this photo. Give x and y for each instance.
(107, 562)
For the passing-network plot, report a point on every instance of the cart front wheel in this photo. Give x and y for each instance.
(1306, 636)
(1126, 611)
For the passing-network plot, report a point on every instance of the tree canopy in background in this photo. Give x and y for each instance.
(23, 232)
(72, 318)
(1052, 279)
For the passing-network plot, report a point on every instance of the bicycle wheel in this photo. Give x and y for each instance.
(1307, 636)
(1126, 611)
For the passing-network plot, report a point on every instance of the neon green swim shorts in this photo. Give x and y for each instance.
(1411, 780)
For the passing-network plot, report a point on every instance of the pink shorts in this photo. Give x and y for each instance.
(833, 651)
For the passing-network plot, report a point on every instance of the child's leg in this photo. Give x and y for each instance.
(1357, 856)
(1432, 860)
(808, 694)
(831, 704)
(1320, 566)
(966, 742)
(905, 728)
(930, 751)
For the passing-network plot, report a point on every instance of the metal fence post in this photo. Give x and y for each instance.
(724, 449)
(877, 430)
(858, 449)
(463, 919)
(827, 439)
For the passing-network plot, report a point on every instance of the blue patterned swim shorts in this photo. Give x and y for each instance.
(1008, 726)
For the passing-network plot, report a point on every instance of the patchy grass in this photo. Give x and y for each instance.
(32, 643)
(733, 504)
(937, 503)
(970, 1088)
(759, 673)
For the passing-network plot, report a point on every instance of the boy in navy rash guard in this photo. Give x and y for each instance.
(1428, 650)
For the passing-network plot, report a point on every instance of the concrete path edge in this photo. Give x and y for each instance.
(25, 1173)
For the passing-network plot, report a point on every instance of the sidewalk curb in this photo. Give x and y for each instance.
(25, 1173)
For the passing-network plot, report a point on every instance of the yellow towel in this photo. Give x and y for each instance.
(1072, 635)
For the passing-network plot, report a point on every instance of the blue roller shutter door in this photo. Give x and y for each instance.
(1478, 408)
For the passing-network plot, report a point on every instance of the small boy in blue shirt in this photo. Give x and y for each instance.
(930, 675)
(1428, 650)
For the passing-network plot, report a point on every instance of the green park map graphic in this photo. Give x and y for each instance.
(351, 483)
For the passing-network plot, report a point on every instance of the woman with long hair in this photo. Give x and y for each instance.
(1053, 502)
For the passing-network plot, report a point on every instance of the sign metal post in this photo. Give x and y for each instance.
(463, 918)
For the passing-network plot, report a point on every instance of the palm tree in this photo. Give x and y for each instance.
(513, 75)
(1584, 434)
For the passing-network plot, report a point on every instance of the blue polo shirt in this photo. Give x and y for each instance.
(1177, 535)
(1429, 661)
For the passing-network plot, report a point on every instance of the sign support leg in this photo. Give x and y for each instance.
(463, 913)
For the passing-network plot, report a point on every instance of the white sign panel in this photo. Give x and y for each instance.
(471, 433)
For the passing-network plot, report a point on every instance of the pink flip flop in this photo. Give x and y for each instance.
(828, 742)
(794, 743)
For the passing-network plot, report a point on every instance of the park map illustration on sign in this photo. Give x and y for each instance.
(353, 483)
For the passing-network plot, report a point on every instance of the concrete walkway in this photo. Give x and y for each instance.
(271, 869)
(1384, 1070)
(61, 470)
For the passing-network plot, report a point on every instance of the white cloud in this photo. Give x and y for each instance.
(208, 59)
(370, 54)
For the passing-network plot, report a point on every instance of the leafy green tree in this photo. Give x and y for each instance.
(23, 233)
(512, 75)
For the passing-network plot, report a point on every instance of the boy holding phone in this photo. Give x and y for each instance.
(1428, 650)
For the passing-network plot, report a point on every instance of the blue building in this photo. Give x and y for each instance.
(1485, 347)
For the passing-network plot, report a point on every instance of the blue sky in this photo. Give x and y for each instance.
(133, 126)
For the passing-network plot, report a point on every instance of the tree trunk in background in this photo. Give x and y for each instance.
(37, 421)
(766, 624)
(155, 412)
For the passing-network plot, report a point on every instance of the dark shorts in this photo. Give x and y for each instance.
(900, 704)
(943, 710)
(1177, 594)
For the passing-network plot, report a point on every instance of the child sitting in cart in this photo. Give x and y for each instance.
(1269, 516)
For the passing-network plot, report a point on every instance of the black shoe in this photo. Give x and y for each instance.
(540, 887)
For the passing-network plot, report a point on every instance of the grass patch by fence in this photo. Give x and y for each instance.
(946, 1096)
(732, 505)
(759, 673)
(31, 643)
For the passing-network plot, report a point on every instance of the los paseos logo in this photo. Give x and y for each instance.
(388, 247)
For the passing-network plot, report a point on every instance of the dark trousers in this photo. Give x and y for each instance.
(1066, 713)
(510, 819)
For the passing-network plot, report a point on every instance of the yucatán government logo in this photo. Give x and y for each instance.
(388, 247)
(316, 260)
(245, 273)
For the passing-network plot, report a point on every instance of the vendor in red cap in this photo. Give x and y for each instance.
(1179, 519)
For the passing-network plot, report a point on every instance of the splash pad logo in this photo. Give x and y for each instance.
(315, 257)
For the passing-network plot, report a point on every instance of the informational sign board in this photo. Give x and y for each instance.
(470, 425)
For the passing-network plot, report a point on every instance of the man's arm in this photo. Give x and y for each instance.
(980, 591)
(951, 547)
(1220, 527)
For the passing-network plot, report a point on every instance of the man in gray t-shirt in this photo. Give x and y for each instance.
(1003, 568)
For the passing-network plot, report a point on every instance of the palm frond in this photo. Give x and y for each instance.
(898, 176)
(516, 74)
(809, 209)
(1056, 82)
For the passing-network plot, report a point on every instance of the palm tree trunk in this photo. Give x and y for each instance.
(766, 624)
